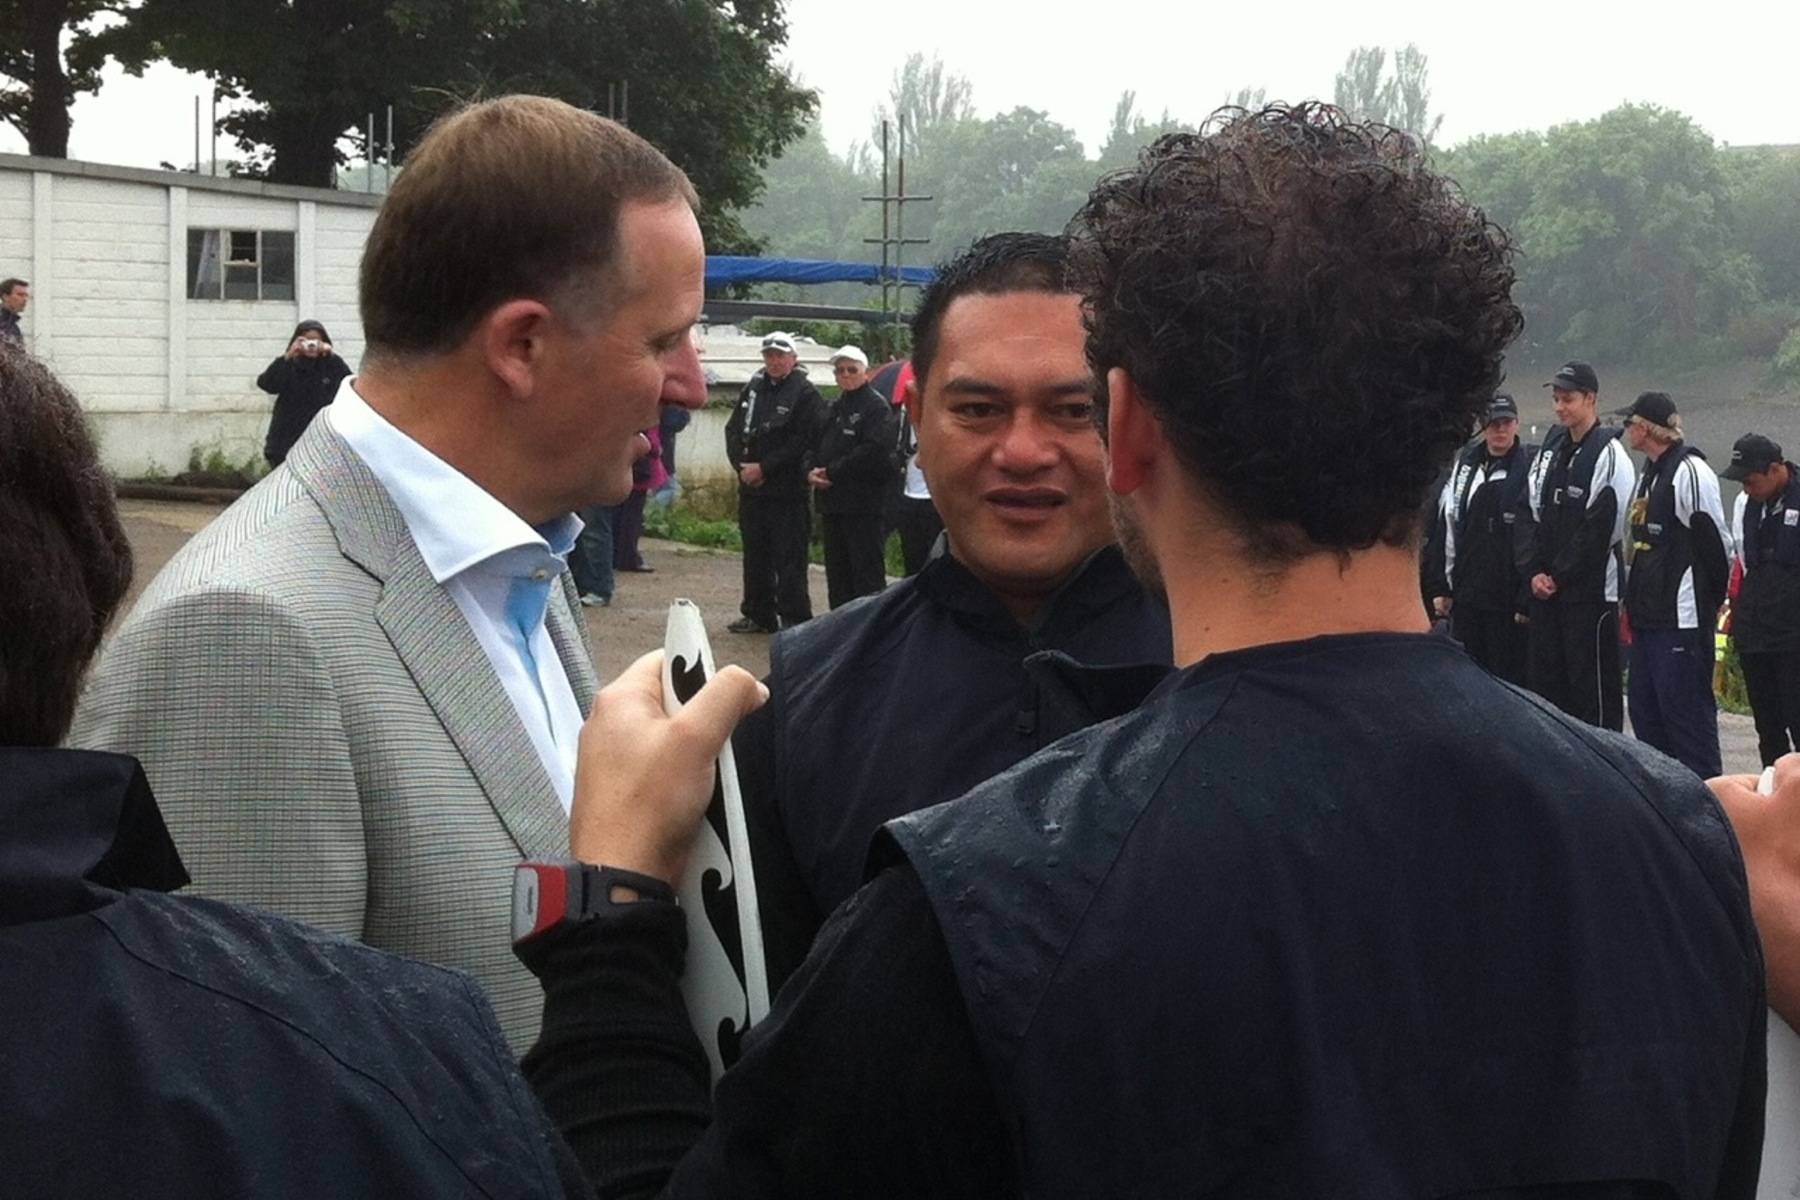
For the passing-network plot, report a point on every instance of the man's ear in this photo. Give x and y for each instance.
(512, 341)
(1134, 436)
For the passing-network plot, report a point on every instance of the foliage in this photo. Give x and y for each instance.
(1369, 92)
(1131, 131)
(1728, 681)
(45, 77)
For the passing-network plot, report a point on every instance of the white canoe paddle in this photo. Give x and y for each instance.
(726, 978)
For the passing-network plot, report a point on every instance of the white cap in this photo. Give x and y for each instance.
(853, 353)
(779, 341)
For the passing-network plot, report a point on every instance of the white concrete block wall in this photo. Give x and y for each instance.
(338, 236)
(15, 228)
(109, 299)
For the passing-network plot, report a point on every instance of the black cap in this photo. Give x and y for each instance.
(1501, 408)
(1575, 376)
(1751, 454)
(1654, 407)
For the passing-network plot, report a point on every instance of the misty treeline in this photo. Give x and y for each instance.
(1639, 239)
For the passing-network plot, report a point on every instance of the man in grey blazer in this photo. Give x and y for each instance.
(358, 692)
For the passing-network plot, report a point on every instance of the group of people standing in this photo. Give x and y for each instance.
(1546, 559)
(790, 450)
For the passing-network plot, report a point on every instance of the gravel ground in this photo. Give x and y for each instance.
(633, 625)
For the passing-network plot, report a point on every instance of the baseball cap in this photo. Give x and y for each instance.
(853, 353)
(1502, 408)
(1751, 454)
(1654, 407)
(779, 341)
(1575, 376)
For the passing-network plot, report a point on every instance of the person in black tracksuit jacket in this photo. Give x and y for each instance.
(1679, 571)
(769, 439)
(1765, 622)
(303, 380)
(1580, 486)
(1483, 585)
(853, 475)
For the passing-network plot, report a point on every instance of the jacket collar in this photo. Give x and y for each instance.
(1095, 585)
(80, 826)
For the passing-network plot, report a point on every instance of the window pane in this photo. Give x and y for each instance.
(243, 245)
(203, 264)
(240, 281)
(277, 266)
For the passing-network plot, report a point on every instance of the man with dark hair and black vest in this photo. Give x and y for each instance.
(855, 471)
(1484, 586)
(912, 698)
(1580, 487)
(769, 438)
(1765, 617)
(1331, 912)
(1678, 572)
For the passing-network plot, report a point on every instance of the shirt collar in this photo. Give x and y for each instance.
(455, 523)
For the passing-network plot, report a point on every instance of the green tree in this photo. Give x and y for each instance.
(1018, 170)
(1130, 132)
(45, 78)
(1368, 91)
(928, 102)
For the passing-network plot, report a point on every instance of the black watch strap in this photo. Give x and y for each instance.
(550, 894)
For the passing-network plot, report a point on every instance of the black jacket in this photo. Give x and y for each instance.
(1243, 942)
(857, 451)
(900, 701)
(1488, 543)
(775, 424)
(1679, 568)
(1579, 492)
(301, 386)
(1766, 615)
(156, 1045)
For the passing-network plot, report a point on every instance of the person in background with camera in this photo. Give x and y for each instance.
(303, 381)
(1483, 586)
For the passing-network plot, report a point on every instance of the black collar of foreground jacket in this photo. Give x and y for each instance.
(1101, 579)
(80, 827)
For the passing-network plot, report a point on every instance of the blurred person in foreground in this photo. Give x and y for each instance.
(1242, 941)
(161, 1045)
(359, 692)
(886, 707)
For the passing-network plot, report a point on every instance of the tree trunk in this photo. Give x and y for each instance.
(305, 146)
(47, 120)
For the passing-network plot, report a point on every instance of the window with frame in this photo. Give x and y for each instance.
(240, 264)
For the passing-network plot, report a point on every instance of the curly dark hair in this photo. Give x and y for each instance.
(64, 560)
(1315, 316)
(996, 265)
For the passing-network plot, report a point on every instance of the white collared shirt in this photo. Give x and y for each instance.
(499, 570)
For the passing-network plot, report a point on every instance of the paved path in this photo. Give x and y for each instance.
(634, 624)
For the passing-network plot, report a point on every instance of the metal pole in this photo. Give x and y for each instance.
(885, 193)
(215, 132)
(612, 101)
(387, 170)
(625, 102)
(369, 157)
(196, 134)
(900, 238)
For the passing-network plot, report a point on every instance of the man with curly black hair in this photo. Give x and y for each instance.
(1333, 912)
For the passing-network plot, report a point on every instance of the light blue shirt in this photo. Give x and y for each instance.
(498, 569)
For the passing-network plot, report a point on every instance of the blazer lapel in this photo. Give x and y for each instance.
(568, 633)
(434, 642)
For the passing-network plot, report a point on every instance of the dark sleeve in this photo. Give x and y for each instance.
(1741, 1169)
(1592, 540)
(864, 1080)
(796, 444)
(871, 454)
(1432, 579)
(340, 371)
(276, 376)
(1524, 548)
(790, 917)
(1712, 566)
(734, 430)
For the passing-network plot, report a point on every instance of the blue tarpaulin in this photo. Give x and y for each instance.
(722, 269)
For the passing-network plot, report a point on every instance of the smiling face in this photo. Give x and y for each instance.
(1574, 410)
(606, 381)
(1008, 444)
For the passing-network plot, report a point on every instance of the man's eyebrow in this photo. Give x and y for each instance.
(964, 385)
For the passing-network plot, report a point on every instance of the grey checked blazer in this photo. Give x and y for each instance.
(324, 733)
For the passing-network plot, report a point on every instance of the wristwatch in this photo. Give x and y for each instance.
(547, 894)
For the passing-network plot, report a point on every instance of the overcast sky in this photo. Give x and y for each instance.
(1495, 68)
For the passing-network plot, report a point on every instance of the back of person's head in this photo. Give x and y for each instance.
(64, 560)
(510, 198)
(1316, 318)
(996, 265)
